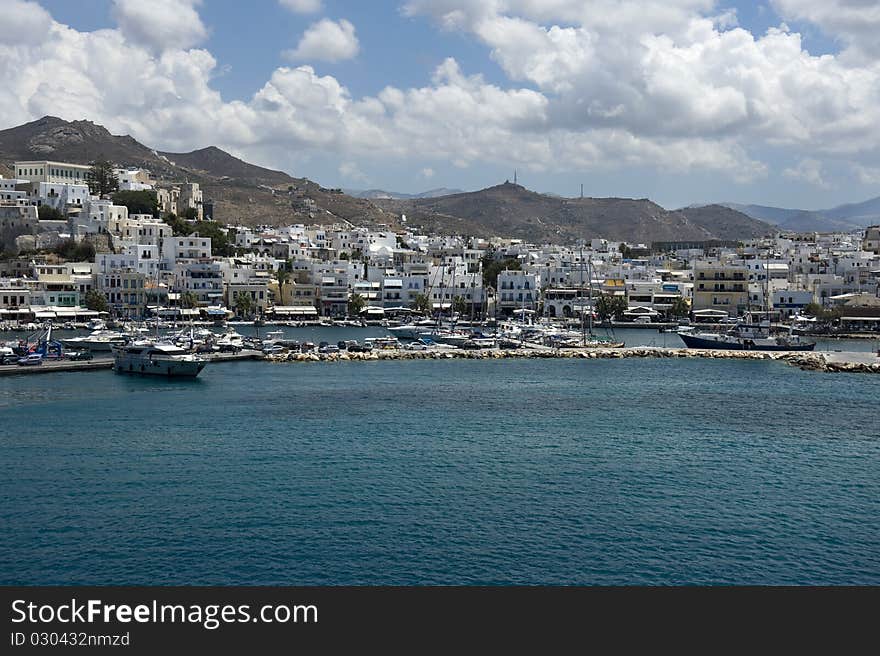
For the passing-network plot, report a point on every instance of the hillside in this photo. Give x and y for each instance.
(843, 218)
(253, 195)
(381, 194)
(514, 211)
(212, 161)
(726, 223)
(242, 192)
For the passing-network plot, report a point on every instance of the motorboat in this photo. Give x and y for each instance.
(149, 358)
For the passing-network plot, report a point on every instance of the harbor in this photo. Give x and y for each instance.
(447, 470)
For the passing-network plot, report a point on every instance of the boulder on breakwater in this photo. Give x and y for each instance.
(804, 360)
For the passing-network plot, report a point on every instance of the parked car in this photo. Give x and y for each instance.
(80, 355)
(31, 359)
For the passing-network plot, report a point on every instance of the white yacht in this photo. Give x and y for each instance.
(98, 340)
(156, 359)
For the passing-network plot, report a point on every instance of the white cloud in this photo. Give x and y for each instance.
(855, 22)
(808, 170)
(301, 6)
(23, 22)
(160, 24)
(867, 175)
(589, 90)
(326, 40)
(427, 173)
(351, 171)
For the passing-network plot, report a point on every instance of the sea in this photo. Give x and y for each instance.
(588, 472)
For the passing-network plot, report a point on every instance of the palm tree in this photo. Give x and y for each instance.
(422, 304)
(355, 304)
(189, 300)
(680, 308)
(459, 306)
(244, 304)
(282, 275)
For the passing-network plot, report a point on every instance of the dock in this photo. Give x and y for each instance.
(56, 366)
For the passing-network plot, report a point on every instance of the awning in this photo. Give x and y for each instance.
(216, 312)
(378, 311)
(441, 306)
(44, 315)
(189, 312)
(301, 310)
(66, 313)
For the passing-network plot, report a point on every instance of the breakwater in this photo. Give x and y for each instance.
(812, 361)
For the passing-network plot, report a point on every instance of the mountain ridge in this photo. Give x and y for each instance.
(253, 195)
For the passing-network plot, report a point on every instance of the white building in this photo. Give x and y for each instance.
(51, 172)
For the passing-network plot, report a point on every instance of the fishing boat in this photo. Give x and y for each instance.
(151, 358)
(747, 336)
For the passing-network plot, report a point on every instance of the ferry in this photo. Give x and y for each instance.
(149, 358)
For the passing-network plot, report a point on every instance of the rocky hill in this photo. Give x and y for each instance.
(843, 218)
(514, 211)
(242, 192)
(253, 195)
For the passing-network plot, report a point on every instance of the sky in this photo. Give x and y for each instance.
(680, 101)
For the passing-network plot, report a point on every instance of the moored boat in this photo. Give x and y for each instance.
(746, 336)
(150, 358)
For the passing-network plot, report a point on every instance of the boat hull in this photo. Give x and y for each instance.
(158, 367)
(740, 344)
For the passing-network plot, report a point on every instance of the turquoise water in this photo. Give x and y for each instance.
(426, 472)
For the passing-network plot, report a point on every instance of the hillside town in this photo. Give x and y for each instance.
(73, 250)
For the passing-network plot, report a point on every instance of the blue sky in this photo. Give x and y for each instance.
(699, 149)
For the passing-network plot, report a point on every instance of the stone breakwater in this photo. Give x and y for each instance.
(858, 363)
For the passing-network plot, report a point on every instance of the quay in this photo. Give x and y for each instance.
(55, 366)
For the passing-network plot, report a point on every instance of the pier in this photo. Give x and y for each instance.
(55, 366)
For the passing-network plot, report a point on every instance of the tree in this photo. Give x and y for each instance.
(69, 249)
(96, 300)
(343, 255)
(608, 306)
(49, 213)
(179, 227)
(459, 305)
(189, 300)
(282, 275)
(244, 304)
(821, 313)
(220, 244)
(190, 214)
(680, 308)
(355, 304)
(422, 303)
(102, 179)
(138, 202)
(490, 272)
(625, 251)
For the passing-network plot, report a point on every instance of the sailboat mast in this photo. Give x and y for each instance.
(590, 292)
(583, 308)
